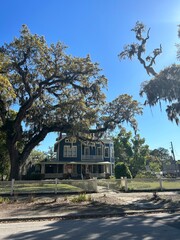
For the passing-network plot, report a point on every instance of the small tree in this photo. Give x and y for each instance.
(123, 147)
(122, 170)
(131, 150)
(140, 154)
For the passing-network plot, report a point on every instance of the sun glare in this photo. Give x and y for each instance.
(176, 15)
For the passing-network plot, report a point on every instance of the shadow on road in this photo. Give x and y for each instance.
(152, 227)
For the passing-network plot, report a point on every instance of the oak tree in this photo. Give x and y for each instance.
(52, 91)
(165, 85)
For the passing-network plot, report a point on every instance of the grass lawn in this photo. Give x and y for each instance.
(45, 188)
(171, 185)
(152, 184)
(86, 186)
(39, 188)
(141, 184)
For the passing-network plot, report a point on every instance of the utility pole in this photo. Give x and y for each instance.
(172, 151)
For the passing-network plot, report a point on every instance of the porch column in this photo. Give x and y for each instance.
(43, 169)
(111, 171)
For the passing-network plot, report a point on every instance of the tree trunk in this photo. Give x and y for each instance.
(14, 162)
(14, 170)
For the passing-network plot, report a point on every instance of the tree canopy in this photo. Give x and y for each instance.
(136, 154)
(49, 90)
(165, 85)
(131, 150)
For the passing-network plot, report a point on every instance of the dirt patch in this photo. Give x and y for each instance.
(107, 202)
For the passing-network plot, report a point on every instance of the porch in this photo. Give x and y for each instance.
(83, 170)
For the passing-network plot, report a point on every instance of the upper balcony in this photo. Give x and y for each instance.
(94, 158)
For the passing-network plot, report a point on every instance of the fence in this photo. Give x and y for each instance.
(140, 184)
(47, 186)
(93, 185)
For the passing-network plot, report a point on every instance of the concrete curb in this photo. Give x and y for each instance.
(87, 215)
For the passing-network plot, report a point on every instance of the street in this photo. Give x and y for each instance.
(153, 226)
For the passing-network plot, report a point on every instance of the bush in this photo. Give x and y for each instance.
(33, 176)
(145, 174)
(81, 198)
(4, 200)
(122, 170)
(107, 176)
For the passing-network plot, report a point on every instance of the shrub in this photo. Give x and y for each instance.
(4, 200)
(144, 174)
(33, 176)
(107, 176)
(81, 198)
(31, 198)
(122, 170)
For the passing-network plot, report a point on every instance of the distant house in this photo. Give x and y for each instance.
(78, 159)
(172, 169)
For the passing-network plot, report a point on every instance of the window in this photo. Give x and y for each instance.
(74, 151)
(99, 151)
(95, 169)
(50, 168)
(106, 152)
(100, 169)
(66, 152)
(86, 151)
(60, 168)
(70, 151)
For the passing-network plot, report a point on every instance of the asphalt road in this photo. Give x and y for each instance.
(153, 226)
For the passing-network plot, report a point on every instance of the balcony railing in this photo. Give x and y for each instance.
(97, 158)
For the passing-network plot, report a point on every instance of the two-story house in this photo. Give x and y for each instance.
(79, 159)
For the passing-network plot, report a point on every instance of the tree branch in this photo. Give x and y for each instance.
(139, 49)
(35, 140)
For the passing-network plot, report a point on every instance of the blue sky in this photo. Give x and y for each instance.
(101, 28)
